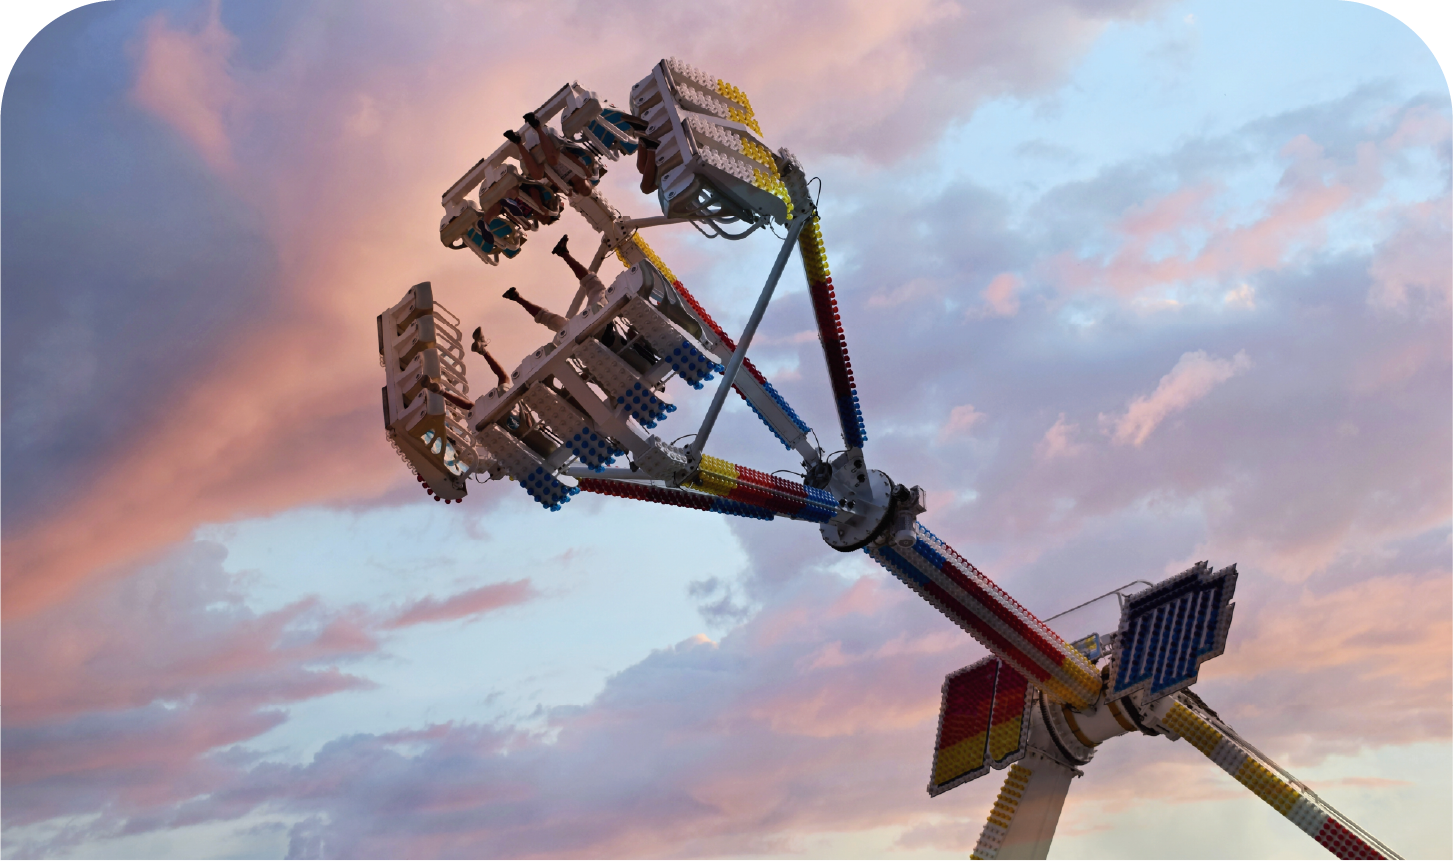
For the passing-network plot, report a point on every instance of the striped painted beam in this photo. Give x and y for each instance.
(830, 333)
(790, 499)
(673, 496)
(1336, 833)
(972, 601)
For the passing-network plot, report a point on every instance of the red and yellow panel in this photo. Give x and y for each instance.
(982, 722)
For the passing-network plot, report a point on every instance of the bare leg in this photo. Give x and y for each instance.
(549, 319)
(552, 156)
(514, 296)
(547, 143)
(564, 253)
(479, 346)
(532, 167)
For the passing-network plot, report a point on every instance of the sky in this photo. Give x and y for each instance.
(1127, 285)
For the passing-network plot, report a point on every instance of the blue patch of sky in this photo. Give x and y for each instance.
(1199, 70)
(613, 577)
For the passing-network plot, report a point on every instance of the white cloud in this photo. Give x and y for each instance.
(1193, 377)
(1244, 296)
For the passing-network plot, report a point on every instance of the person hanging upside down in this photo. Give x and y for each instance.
(480, 346)
(646, 164)
(579, 156)
(518, 420)
(534, 200)
(552, 157)
(549, 319)
(589, 281)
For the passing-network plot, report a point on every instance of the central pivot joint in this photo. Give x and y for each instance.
(871, 508)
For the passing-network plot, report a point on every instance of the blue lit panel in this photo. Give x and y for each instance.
(1169, 630)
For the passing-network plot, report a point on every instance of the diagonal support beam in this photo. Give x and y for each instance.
(830, 333)
(794, 229)
(769, 405)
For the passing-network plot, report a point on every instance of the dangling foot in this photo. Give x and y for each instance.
(512, 294)
(532, 120)
(513, 137)
(560, 249)
(479, 341)
(646, 164)
(631, 121)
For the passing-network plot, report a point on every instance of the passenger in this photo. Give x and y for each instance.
(623, 121)
(594, 287)
(497, 234)
(646, 164)
(534, 200)
(518, 419)
(578, 155)
(480, 346)
(552, 157)
(549, 319)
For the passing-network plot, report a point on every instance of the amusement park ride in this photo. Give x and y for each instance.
(1039, 706)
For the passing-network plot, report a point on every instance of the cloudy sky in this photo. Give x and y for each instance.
(1127, 285)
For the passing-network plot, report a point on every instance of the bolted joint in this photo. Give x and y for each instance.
(818, 475)
(908, 503)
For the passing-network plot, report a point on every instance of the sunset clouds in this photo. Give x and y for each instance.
(1127, 286)
(1192, 378)
(182, 77)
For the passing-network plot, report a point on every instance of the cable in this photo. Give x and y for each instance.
(1115, 592)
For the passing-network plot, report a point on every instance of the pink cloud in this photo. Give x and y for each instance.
(909, 291)
(187, 637)
(1001, 296)
(474, 602)
(1400, 627)
(1059, 440)
(962, 420)
(806, 720)
(182, 77)
(1191, 234)
(128, 696)
(1415, 266)
(1192, 378)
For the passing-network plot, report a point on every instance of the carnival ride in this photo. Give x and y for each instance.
(1039, 706)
